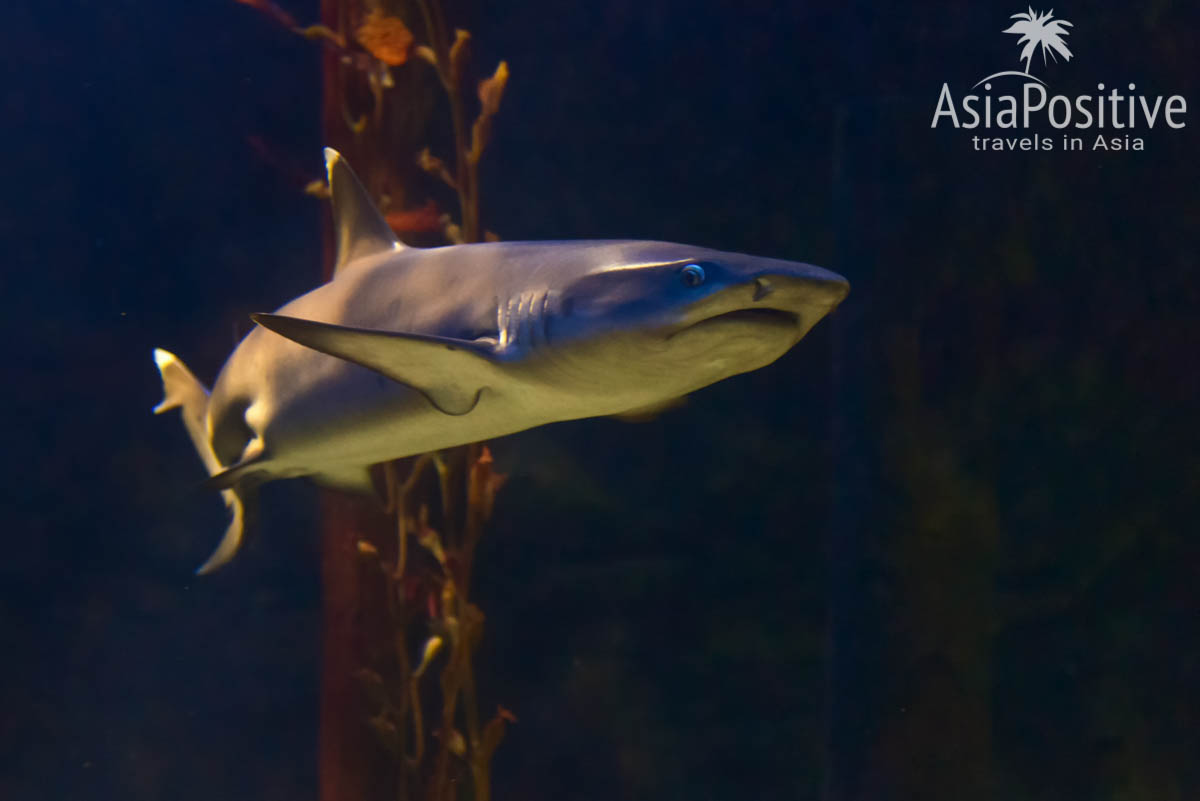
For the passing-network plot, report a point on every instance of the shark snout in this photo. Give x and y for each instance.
(792, 301)
(805, 293)
(814, 290)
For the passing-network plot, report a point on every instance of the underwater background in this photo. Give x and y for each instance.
(946, 548)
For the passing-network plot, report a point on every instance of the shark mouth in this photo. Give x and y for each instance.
(755, 315)
(760, 317)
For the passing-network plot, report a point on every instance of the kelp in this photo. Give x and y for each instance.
(378, 42)
(400, 629)
(423, 578)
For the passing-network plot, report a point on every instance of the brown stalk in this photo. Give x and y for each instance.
(426, 590)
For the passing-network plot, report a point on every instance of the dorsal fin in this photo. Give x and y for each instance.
(359, 227)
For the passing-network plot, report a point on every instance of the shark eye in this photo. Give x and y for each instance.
(692, 275)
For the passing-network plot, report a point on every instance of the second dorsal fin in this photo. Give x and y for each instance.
(359, 227)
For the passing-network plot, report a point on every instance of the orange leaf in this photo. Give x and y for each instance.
(484, 483)
(427, 218)
(387, 38)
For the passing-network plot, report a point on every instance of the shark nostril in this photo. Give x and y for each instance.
(762, 288)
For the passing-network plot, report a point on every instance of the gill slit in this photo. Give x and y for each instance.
(523, 321)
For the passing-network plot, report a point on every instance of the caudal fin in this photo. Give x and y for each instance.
(182, 390)
(241, 507)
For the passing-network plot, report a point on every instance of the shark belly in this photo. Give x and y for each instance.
(309, 414)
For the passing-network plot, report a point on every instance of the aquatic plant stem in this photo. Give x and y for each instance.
(383, 734)
(450, 63)
(348, 768)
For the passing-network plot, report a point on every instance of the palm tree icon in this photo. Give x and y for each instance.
(1040, 30)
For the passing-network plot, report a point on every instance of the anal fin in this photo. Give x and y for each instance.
(241, 472)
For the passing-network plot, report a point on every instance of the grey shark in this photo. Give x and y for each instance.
(411, 350)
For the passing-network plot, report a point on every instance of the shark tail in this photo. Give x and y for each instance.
(182, 390)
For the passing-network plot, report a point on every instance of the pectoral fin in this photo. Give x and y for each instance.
(450, 373)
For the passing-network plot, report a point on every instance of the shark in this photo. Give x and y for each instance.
(409, 350)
